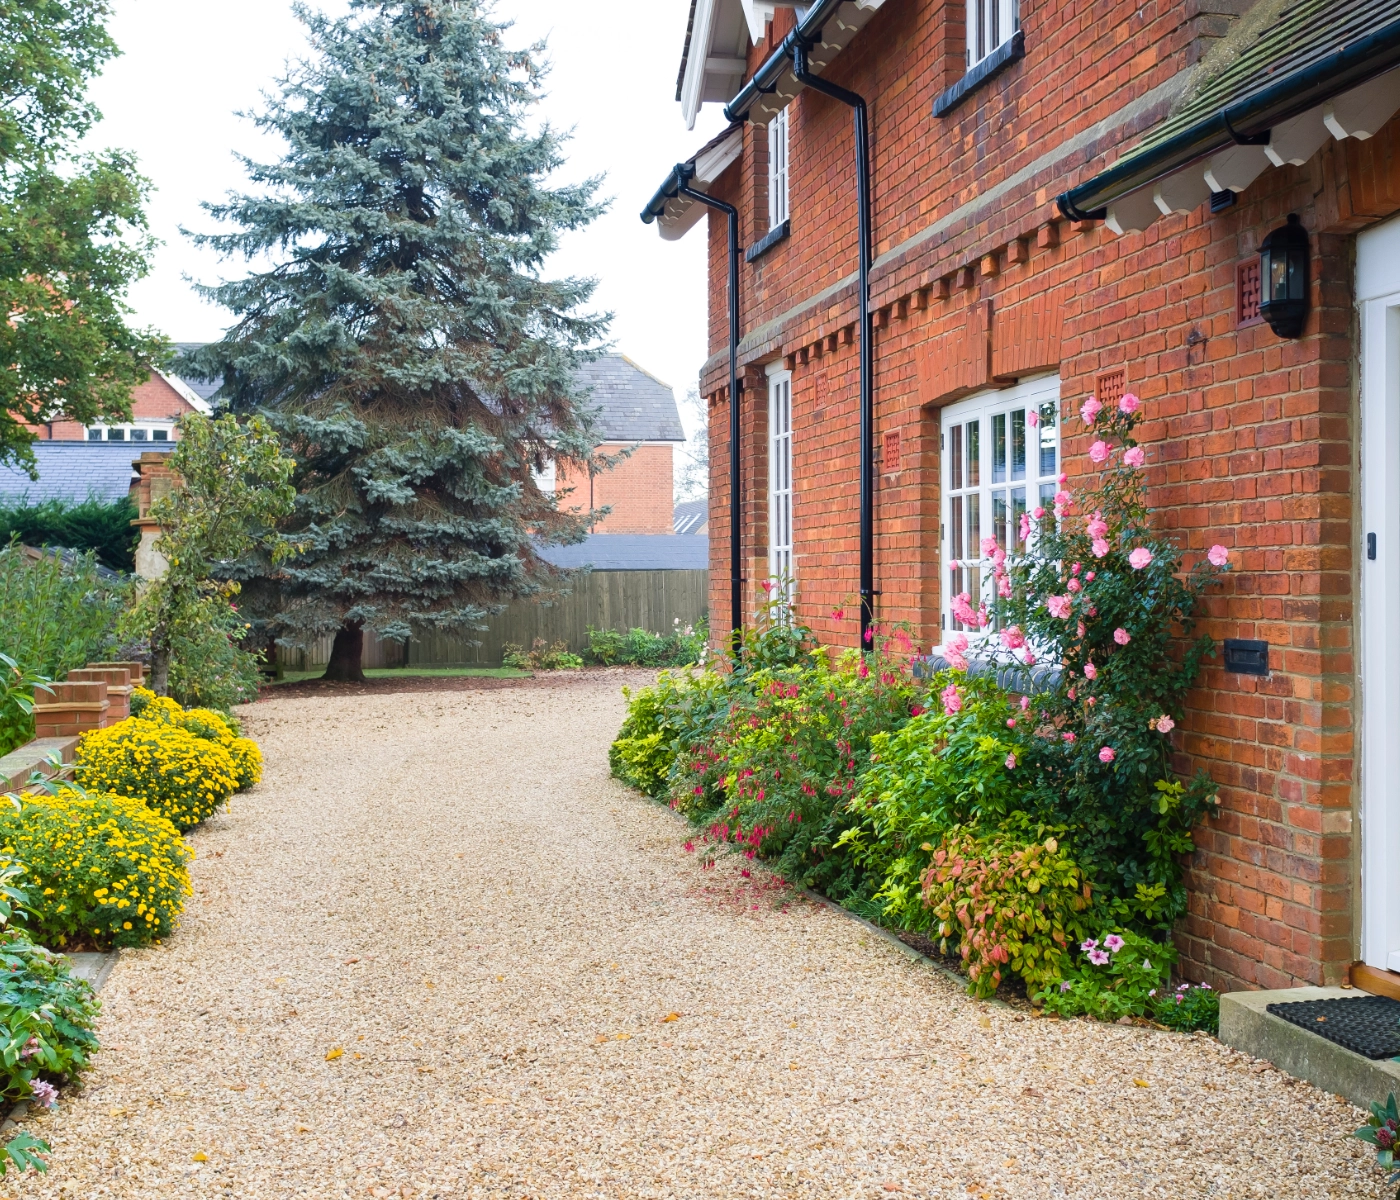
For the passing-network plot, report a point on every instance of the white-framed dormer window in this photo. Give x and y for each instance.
(1000, 459)
(143, 431)
(989, 24)
(778, 170)
(780, 562)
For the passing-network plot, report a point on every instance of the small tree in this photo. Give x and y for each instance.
(234, 488)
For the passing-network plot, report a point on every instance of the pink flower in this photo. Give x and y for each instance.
(1129, 404)
(1012, 637)
(1139, 558)
(43, 1093)
(1076, 568)
(1089, 944)
(1090, 671)
(1064, 478)
(1071, 693)
(1097, 526)
(1090, 410)
(1059, 606)
(690, 847)
(1025, 703)
(1100, 451)
(1011, 722)
(916, 710)
(1106, 754)
(1165, 724)
(989, 545)
(1004, 586)
(1113, 942)
(1038, 512)
(1063, 498)
(1074, 585)
(1032, 418)
(1068, 737)
(1135, 456)
(1122, 636)
(957, 643)
(1098, 957)
(1218, 556)
(952, 700)
(838, 614)
(1010, 762)
(1080, 631)
(1093, 612)
(1025, 526)
(863, 671)
(1099, 547)
(1030, 658)
(962, 610)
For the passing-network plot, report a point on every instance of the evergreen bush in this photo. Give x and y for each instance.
(91, 525)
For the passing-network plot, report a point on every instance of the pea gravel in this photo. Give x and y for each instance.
(437, 952)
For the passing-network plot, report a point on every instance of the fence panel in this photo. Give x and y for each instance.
(603, 599)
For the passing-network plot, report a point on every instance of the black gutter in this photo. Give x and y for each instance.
(867, 386)
(1246, 122)
(736, 579)
(771, 69)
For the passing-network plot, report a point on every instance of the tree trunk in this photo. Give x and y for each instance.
(160, 661)
(347, 654)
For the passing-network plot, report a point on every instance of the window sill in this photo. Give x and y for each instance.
(1008, 52)
(770, 239)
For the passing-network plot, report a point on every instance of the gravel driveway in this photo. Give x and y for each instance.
(438, 952)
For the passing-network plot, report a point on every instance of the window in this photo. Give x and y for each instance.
(780, 565)
(1001, 458)
(94, 435)
(778, 170)
(134, 433)
(989, 24)
(116, 435)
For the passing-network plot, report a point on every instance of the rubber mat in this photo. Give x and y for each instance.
(1369, 1025)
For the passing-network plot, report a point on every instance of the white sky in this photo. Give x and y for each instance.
(188, 65)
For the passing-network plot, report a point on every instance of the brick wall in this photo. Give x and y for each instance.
(1251, 440)
(639, 489)
(154, 400)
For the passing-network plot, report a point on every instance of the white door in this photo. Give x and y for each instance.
(1378, 296)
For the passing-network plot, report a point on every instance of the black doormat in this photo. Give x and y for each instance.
(1369, 1025)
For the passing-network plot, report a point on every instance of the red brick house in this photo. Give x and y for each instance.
(1069, 199)
(156, 406)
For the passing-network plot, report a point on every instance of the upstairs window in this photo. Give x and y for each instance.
(778, 170)
(989, 24)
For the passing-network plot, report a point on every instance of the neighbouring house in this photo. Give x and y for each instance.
(637, 417)
(1192, 201)
(692, 517)
(156, 406)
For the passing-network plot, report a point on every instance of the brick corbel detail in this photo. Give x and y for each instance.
(958, 361)
(1028, 337)
(68, 709)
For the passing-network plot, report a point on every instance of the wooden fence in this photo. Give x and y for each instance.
(621, 600)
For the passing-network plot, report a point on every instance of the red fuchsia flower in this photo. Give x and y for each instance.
(1090, 671)
(838, 614)
(916, 710)
(1106, 754)
(746, 873)
(1059, 606)
(1012, 637)
(1139, 558)
(1068, 737)
(1129, 404)
(1099, 547)
(766, 585)
(1100, 451)
(1122, 636)
(1134, 456)
(1010, 762)
(1090, 410)
(1165, 724)
(887, 677)
(690, 847)
(749, 854)
(1218, 556)
(952, 700)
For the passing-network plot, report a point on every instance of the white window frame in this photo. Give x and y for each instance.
(971, 485)
(782, 567)
(990, 23)
(147, 428)
(778, 143)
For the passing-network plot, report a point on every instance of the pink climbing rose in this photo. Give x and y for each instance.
(1099, 547)
(989, 546)
(1165, 724)
(1090, 671)
(1135, 456)
(1218, 556)
(1106, 754)
(1139, 558)
(952, 700)
(1012, 637)
(1100, 451)
(1025, 703)
(1032, 418)
(1090, 410)
(1038, 512)
(1129, 404)
(1097, 526)
(1010, 762)
(1122, 636)
(1059, 606)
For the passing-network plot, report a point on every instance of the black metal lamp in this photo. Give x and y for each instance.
(1283, 278)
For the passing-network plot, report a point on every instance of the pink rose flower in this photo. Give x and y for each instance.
(989, 545)
(1090, 671)
(1122, 636)
(952, 700)
(1100, 451)
(1010, 762)
(1106, 754)
(1012, 637)
(1011, 722)
(1218, 556)
(1093, 612)
(1140, 557)
(1074, 585)
(1025, 526)
(1090, 410)
(1004, 587)
(1032, 418)
(1099, 547)
(1025, 703)
(1165, 724)
(1097, 526)
(1063, 498)
(1135, 456)
(962, 609)
(1068, 737)
(957, 643)
(1038, 512)
(1129, 404)
(1059, 606)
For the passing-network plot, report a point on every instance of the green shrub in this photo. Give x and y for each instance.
(209, 668)
(540, 657)
(16, 703)
(1007, 899)
(104, 529)
(642, 753)
(105, 870)
(1189, 1007)
(1119, 975)
(55, 615)
(682, 647)
(182, 777)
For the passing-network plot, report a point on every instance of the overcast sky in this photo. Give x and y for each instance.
(189, 65)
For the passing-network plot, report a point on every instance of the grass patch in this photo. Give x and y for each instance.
(410, 673)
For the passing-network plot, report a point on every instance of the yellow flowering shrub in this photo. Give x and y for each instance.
(247, 761)
(212, 727)
(150, 707)
(100, 869)
(182, 777)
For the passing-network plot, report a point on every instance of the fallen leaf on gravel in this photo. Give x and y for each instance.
(177, 1093)
(303, 1129)
(348, 961)
(334, 1052)
(1141, 1083)
(622, 1037)
(425, 1070)
(238, 1087)
(892, 1187)
(670, 1017)
(119, 1112)
(602, 1037)
(985, 1022)
(1030, 1091)
(200, 1157)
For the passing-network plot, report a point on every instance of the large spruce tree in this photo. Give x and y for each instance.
(397, 329)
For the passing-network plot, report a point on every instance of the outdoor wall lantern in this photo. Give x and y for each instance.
(1283, 278)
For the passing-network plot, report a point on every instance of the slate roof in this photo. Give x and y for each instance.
(75, 471)
(635, 405)
(1275, 39)
(691, 516)
(633, 552)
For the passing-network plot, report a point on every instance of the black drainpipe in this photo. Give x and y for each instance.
(867, 385)
(736, 580)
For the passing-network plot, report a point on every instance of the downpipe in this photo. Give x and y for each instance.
(867, 385)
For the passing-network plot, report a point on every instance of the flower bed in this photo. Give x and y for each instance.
(1016, 816)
